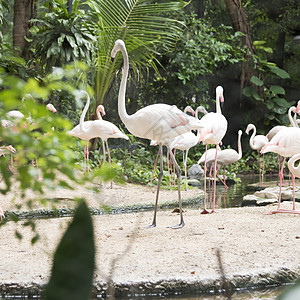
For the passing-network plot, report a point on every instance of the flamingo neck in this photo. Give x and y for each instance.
(251, 141)
(121, 99)
(240, 147)
(218, 106)
(292, 109)
(84, 111)
(98, 114)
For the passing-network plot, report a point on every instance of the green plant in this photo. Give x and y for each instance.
(60, 37)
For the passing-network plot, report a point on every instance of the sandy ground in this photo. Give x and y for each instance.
(256, 249)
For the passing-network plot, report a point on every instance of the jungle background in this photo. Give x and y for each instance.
(177, 57)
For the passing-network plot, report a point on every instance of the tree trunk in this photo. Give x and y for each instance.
(23, 12)
(200, 9)
(239, 20)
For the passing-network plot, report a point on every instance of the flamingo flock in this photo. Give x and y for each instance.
(166, 125)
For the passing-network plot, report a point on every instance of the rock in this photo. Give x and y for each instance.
(264, 202)
(287, 195)
(195, 172)
(268, 193)
(249, 200)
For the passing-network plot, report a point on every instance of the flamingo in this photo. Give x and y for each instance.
(293, 121)
(295, 173)
(91, 129)
(256, 142)
(185, 142)
(286, 143)
(215, 127)
(4, 150)
(159, 122)
(154, 143)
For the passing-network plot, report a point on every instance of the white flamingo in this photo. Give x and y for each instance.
(256, 142)
(87, 130)
(225, 157)
(185, 142)
(108, 130)
(293, 121)
(286, 143)
(155, 143)
(159, 122)
(215, 127)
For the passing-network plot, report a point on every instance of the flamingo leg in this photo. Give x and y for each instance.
(159, 177)
(173, 167)
(280, 186)
(224, 180)
(178, 172)
(205, 211)
(259, 168)
(168, 166)
(155, 166)
(263, 170)
(289, 211)
(108, 153)
(184, 163)
(104, 151)
(215, 179)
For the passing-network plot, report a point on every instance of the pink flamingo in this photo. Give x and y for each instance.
(159, 122)
(108, 130)
(293, 122)
(4, 150)
(87, 130)
(286, 143)
(186, 141)
(225, 157)
(154, 143)
(295, 170)
(256, 142)
(215, 127)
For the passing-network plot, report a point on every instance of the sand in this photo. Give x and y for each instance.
(256, 249)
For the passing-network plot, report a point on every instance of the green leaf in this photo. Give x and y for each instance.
(74, 260)
(278, 90)
(281, 102)
(279, 72)
(248, 91)
(255, 80)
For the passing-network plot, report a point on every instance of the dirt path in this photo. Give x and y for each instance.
(256, 249)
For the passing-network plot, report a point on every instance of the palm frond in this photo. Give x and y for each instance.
(144, 28)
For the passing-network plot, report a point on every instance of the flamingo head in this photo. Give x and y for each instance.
(101, 109)
(249, 127)
(11, 149)
(298, 108)
(119, 45)
(189, 109)
(219, 92)
(51, 108)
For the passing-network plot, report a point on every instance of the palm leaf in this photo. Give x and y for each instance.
(144, 29)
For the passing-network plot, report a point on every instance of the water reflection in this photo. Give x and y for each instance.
(233, 196)
(266, 294)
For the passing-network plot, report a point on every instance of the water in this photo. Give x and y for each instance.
(233, 196)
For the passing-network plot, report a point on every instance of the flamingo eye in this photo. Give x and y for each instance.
(277, 144)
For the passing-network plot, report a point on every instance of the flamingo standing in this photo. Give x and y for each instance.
(286, 143)
(159, 122)
(224, 158)
(256, 142)
(295, 170)
(154, 143)
(185, 142)
(87, 130)
(108, 130)
(215, 127)
(4, 150)
(293, 122)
